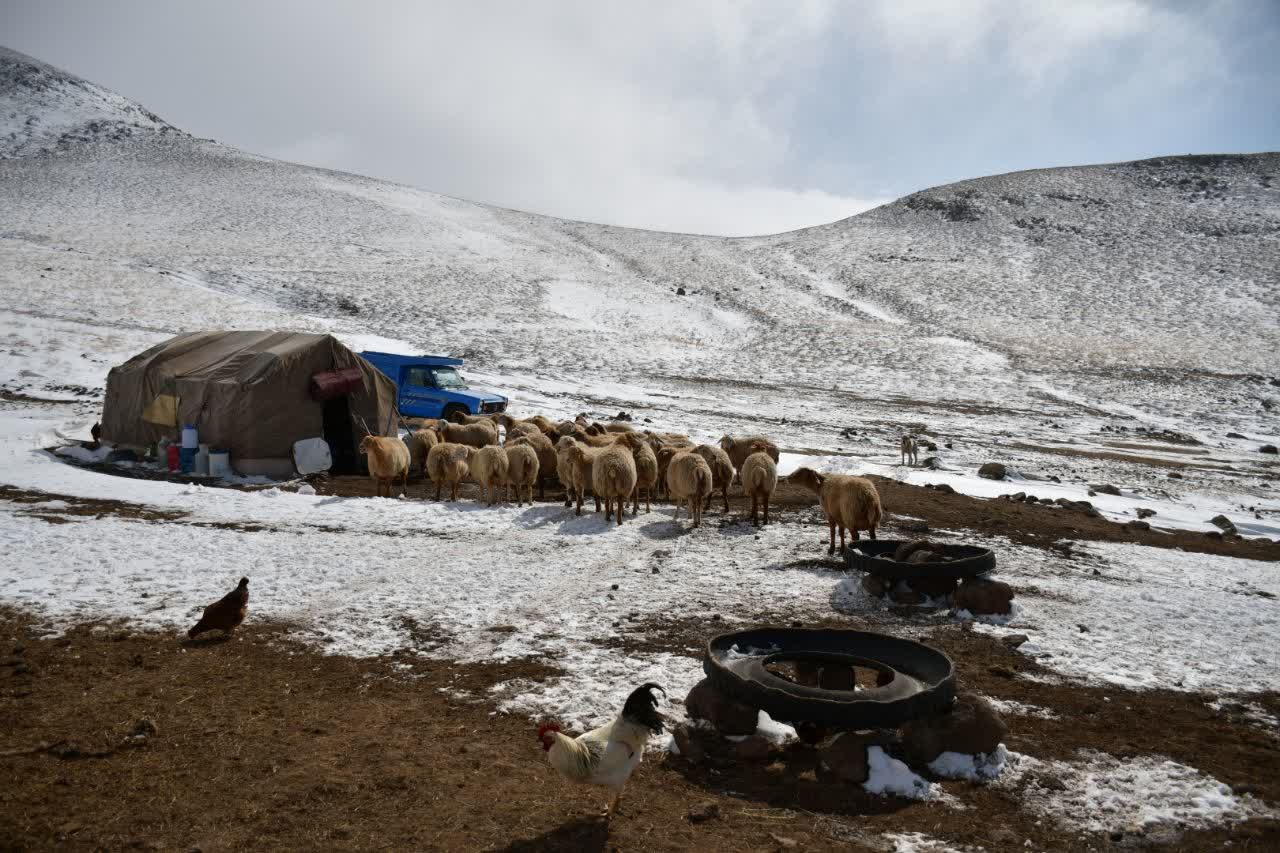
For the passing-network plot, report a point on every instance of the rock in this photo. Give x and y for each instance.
(993, 471)
(1214, 534)
(705, 702)
(971, 726)
(144, 727)
(1105, 489)
(979, 595)
(703, 812)
(1174, 475)
(941, 487)
(1223, 523)
(874, 585)
(844, 757)
(915, 525)
(1234, 435)
(754, 748)
(932, 462)
(836, 677)
(934, 587)
(1268, 448)
(680, 291)
(1014, 640)
(1002, 671)
(1018, 496)
(1143, 512)
(689, 745)
(1137, 525)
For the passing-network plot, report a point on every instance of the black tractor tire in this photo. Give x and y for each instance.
(875, 557)
(914, 680)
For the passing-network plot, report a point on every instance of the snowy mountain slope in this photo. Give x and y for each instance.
(1148, 287)
(43, 108)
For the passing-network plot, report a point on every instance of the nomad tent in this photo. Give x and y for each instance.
(253, 393)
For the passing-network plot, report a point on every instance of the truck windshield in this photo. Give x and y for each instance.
(447, 377)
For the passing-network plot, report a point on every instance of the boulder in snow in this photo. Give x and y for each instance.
(980, 595)
(993, 471)
(730, 717)
(972, 726)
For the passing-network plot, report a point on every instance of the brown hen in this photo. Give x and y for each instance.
(226, 613)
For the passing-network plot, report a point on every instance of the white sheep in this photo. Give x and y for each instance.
(689, 480)
(480, 434)
(850, 503)
(388, 459)
(489, 469)
(759, 479)
(522, 469)
(613, 478)
(448, 463)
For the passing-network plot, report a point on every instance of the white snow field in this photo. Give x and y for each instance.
(1097, 324)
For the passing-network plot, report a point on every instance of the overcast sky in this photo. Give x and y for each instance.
(694, 115)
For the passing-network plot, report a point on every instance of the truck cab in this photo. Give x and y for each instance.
(430, 386)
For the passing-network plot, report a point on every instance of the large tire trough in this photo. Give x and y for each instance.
(911, 679)
(875, 557)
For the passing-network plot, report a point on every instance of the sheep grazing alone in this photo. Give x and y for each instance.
(420, 442)
(759, 479)
(740, 448)
(910, 449)
(613, 477)
(489, 469)
(850, 503)
(689, 480)
(646, 469)
(388, 459)
(582, 460)
(722, 471)
(448, 463)
(522, 469)
(482, 433)
(547, 459)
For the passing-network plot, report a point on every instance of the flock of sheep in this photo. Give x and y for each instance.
(613, 462)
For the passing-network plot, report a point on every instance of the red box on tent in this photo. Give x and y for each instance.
(336, 383)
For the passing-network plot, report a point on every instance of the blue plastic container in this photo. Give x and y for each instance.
(187, 459)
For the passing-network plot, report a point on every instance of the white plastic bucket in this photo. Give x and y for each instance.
(202, 459)
(189, 439)
(219, 463)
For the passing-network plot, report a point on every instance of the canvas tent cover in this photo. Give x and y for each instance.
(245, 391)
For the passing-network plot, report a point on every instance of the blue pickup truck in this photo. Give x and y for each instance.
(431, 387)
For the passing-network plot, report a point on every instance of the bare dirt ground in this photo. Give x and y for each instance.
(261, 743)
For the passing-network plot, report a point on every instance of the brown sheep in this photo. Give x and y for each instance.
(489, 469)
(448, 463)
(458, 417)
(522, 469)
(690, 480)
(759, 479)
(582, 459)
(721, 469)
(619, 426)
(388, 459)
(547, 458)
(613, 477)
(850, 502)
(565, 467)
(646, 469)
(740, 448)
(665, 454)
(482, 433)
(419, 442)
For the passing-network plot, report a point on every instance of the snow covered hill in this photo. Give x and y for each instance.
(1146, 289)
(43, 108)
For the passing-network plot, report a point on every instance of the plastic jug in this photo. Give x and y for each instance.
(189, 439)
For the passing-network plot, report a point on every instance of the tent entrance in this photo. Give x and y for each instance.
(340, 435)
